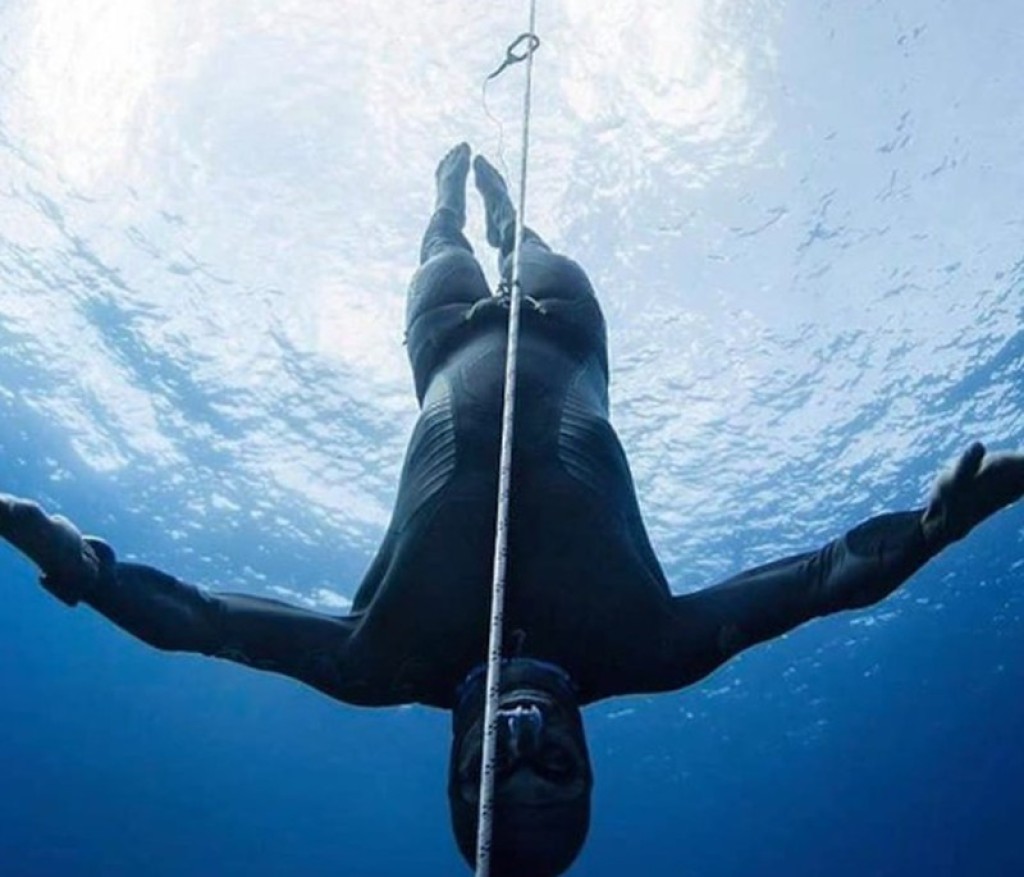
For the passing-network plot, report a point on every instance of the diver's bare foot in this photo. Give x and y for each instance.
(451, 176)
(501, 215)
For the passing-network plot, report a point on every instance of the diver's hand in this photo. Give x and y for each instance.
(978, 486)
(68, 564)
(502, 303)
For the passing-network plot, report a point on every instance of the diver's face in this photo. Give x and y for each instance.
(541, 757)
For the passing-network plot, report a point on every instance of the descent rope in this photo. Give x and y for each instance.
(526, 44)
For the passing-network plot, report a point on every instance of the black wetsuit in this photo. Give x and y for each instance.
(585, 590)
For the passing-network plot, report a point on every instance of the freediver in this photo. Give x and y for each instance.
(589, 609)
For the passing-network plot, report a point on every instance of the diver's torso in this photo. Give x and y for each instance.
(584, 589)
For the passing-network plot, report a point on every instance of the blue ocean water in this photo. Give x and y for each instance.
(804, 222)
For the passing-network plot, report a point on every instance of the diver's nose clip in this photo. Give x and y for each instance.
(522, 726)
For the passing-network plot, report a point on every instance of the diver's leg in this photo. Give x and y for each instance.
(501, 214)
(449, 280)
(551, 283)
(544, 273)
(444, 231)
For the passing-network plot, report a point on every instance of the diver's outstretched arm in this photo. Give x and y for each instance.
(856, 570)
(172, 615)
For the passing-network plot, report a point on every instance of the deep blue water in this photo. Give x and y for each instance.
(805, 226)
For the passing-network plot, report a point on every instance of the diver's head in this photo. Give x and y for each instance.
(543, 778)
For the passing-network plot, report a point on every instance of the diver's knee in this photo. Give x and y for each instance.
(552, 276)
(451, 277)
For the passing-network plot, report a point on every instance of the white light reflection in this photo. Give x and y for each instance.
(85, 83)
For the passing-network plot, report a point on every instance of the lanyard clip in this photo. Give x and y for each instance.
(515, 53)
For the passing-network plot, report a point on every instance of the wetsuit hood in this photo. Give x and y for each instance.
(543, 781)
